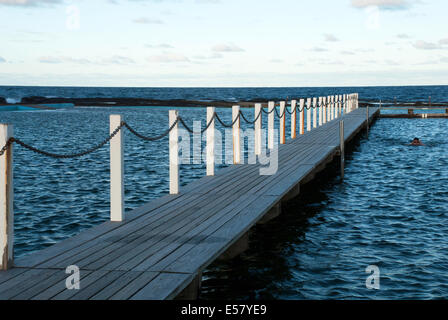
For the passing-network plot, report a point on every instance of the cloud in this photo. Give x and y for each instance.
(144, 20)
(2, 60)
(318, 49)
(276, 61)
(330, 62)
(403, 36)
(162, 46)
(348, 53)
(330, 38)
(444, 59)
(168, 58)
(423, 45)
(443, 41)
(28, 3)
(391, 62)
(226, 48)
(215, 55)
(118, 60)
(49, 60)
(382, 4)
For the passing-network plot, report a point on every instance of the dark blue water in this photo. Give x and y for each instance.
(410, 93)
(390, 211)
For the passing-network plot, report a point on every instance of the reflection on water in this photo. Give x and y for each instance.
(390, 211)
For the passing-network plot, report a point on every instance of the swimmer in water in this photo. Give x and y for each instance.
(416, 142)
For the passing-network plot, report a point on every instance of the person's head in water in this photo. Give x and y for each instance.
(416, 142)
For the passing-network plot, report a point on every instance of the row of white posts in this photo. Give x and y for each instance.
(332, 108)
(315, 117)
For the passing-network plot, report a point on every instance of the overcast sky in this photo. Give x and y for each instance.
(223, 42)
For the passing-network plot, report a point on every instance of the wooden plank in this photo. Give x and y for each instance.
(134, 286)
(59, 276)
(57, 288)
(33, 278)
(164, 286)
(88, 235)
(209, 249)
(116, 286)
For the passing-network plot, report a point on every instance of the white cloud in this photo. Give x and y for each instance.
(168, 58)
(215, 55)
(443, 41)
(226, 48)
(423, 45)
(144, 20)
(120, 60)
(403, 36)
(28, 3)
(382, 4)
(2, 60)
(330, 38)
(49, 60)
(162, 45)
(318, 49)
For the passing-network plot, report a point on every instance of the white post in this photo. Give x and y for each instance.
(320, 111)
(293, 119)
(335, 107)
(324, 111)
(282, 122)
(116, 171)
(6, 200)
(210, 141)
(257, 125)
(174, 152)
(332, 108)
(342, 146)
(340, 106)
(302, 117)
(236, 135)
(315, 113)
(308, 114)
(271, 118)
(349, 105)
(329, 109)
(357, 100)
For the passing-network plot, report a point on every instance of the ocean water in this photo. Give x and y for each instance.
(14, 94)
(390, 211)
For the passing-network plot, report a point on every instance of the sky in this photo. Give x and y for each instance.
(223, 43)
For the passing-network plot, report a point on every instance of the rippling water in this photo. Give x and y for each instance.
(390, 211)
(402, 93)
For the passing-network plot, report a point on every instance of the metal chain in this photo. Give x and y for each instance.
(251, 122)
(6, 146)
(139, 135)
(227, 125)
(74, 155)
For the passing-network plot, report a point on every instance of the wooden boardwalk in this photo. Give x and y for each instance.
(159, 251)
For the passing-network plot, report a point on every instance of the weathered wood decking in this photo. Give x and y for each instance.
(162, 247)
